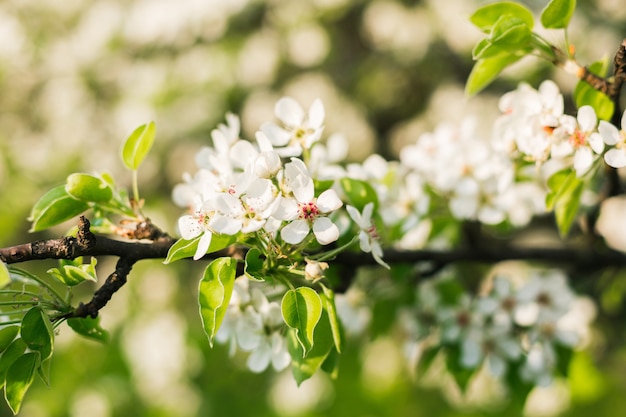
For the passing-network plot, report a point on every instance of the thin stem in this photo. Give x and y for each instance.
(324, 256)
(59, 298)
(135, 186)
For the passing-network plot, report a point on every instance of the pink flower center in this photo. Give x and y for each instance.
(578, 139)
(308, 211)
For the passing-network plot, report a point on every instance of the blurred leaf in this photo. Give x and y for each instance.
(302, 309)
(303, 365)
(254, 265)
(19, 378)
(486, 70)
(587, 383)
(7, 335)
(37, 332)
(485, 17)
(328, 303)
(56, 206)
(10, 354)
(564, 197)
(557, 14)
(5, 276)
(87, 187)
(426, 359)
(73, 272)
(89, 328)
(138, 145)
(461, 375)
(216, 288)
(585, 94)
(564, 356)
(359, 193)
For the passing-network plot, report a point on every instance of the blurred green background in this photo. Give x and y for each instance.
(77, 76)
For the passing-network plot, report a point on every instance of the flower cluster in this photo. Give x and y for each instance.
(535, 128)
(240, 187)
(511, 326)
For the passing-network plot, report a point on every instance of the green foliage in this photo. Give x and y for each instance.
(585, 94)
(37, 333)
(564, 198)
(255, 265)
(486, 70)
(137, 145)
(5, 277)
(358, 193)
(19, 378)
(54, 207)
(7, 335)
(89, 328)
(73, 272)
(87, 188)
(214, 292)
(557, 14)
(186, 248)
(486, 17)
(302, 309)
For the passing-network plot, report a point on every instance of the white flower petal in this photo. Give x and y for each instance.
(189, 227)
(325, 231)
(616, 158)
(587, 119)
(203, 245)
(328, 201)
(316, 114)
(583, 159)
(596, 142)
(295, 232)
(289, 112)
(610, 134)
(259, 359)
(276, 134)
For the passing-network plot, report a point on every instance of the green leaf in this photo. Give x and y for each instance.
(37, 332)
(584, 94)
(328, 303)
(73, 272)
(184, 249)
(19, 378)
(359, 193)
(138, 145)
(302, 309)
(10, 354)
(215, 290)
(7, 335)
(5, 276)
(254, 267)
(426, 359)
(486, 16)
(89, 328)
(564, 198)
(87, 187)
(461, 375)
(557, 14)
(304, 365)
(510, 32)
(331, 364)
(587, 383)
(56, 206)
(486, 70)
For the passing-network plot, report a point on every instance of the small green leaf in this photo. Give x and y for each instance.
(5, 276)
(426, 359)
(486, 16)
(10, 354)
(359, 193)
(138, 145)
(87, 187)
(302, 309)
(564, 198)
(215, 290)
(486, 70)
(303, 366)
(56, 206)
(37, 332)
(74, 272)
(89, 328)
(328, 303)
(184, 249)
(19, 378)
(254, 265)
(585, 94)
(7, 335)
(557, 14)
